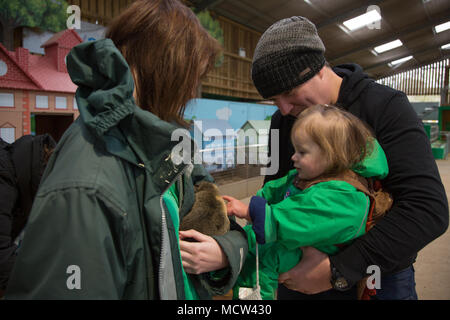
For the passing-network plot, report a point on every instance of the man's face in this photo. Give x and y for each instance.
(308, 94)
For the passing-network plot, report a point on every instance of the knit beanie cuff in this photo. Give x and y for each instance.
(279, 72)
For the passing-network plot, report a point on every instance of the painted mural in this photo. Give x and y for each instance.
(229, 133)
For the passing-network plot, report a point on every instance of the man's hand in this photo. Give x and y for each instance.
(312, 275)
(205, 255)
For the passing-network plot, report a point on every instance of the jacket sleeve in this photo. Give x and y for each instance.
(8, 198)
(74, 248)
(233, 243)
(274, 190)
(199, 174)
(374, 164)
(420, 210)
(325, 214)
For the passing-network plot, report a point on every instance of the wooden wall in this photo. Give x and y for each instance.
(101, 11)
(232, 78)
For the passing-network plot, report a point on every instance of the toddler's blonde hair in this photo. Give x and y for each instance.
(344, 139)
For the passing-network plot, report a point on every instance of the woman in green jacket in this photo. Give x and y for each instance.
(318, 204)
(105, 221)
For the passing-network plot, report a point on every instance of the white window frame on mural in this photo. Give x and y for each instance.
(3, 68)
(8, 134)
(60, 103)
(6, 100)
(41, 102)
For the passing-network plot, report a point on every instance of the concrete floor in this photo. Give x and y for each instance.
(433, 262)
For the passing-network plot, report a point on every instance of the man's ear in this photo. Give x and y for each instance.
(322, 72)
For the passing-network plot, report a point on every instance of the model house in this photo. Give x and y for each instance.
(36, 92)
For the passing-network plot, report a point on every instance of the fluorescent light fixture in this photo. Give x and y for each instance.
(388, 46)
(395, 62)
(446, 46)
(442, 27)
(362, 20)
(344, 29)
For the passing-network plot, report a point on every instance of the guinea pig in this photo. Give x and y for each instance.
(209, 212)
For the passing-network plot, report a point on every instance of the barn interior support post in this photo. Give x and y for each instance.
(444, 91)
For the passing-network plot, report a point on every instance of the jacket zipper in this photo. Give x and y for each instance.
(163, 235)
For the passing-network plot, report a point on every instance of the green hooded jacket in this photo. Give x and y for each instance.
(323, 216)
(99, 227)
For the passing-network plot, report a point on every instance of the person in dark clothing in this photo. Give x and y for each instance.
(289, 67)
(22, 164)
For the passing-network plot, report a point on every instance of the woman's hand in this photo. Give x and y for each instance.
(237, 208)
(312, 275)
(202, 256)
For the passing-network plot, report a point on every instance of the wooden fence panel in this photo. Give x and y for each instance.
(423, 80)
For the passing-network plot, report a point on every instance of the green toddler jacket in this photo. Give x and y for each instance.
(322, 216)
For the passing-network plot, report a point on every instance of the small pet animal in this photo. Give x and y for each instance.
(209, 212)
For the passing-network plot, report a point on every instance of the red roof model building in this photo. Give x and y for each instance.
(36, 84)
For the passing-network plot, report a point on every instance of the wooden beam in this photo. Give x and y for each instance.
(232, 17)
(254, 11)
(207, 4)
(219, 86)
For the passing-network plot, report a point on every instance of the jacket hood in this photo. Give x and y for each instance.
(354, 82)
(107, 107)
(374, 164)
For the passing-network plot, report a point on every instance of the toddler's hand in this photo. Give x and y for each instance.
(237, 208)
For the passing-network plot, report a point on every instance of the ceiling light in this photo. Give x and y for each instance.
(446, 46)
(442, 27)
(362, 20)
(395, 62)
(388, 46)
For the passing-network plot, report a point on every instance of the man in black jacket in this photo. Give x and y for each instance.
(289, 67)
(21, 167)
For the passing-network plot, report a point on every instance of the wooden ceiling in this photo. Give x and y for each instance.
(411, 21)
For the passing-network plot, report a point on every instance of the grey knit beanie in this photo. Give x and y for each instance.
(288, 54)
